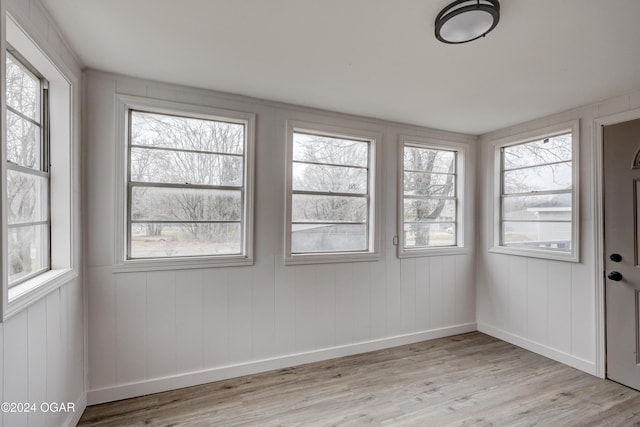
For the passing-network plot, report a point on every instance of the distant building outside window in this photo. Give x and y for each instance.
(536, 196)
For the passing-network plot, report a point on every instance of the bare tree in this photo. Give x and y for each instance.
(329, 168)
(429, 186)
(23, 149)
(546, 162)
(189, 152)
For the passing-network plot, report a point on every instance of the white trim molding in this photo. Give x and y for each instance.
(24, 294)
(157, 385)
(73, 418)
(546, 351)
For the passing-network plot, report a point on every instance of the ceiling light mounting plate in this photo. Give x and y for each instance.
(463, 21)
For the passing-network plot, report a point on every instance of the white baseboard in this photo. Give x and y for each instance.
(559, 356)
(74, 417)
(156, 385)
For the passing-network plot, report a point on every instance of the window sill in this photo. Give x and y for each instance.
(23, 295)
(180, 264)
(330, 258)
(442, 251)
(537, 253)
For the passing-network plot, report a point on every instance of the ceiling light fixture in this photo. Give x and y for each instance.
(465, 20)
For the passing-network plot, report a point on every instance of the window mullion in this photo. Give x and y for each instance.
(335, 165)
(530, 220)
(427, 197)
(429, 172)
(185, 150)
(330, 194)
(25, 170)
(537, 193)
(537, 165)
(186, 221)
(184, 186)
(23, 116)
(27, 224)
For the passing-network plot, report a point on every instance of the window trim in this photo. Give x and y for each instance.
(63, 156)
(461, 150)
(572, 127)
(374, 193)
(125, 103)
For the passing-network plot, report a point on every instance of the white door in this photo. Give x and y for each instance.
(622, 236)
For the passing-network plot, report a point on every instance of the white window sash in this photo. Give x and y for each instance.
(496, 245)
(373, 185)
(122, 263)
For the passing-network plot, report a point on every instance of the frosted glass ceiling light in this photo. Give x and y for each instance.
(466, 20)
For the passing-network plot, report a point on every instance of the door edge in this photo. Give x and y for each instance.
(598, 167)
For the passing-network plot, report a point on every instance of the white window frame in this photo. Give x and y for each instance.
(124, 104)
(461, 157)
(43, 169)
(572, 127)
(373, 138)
(63, 197)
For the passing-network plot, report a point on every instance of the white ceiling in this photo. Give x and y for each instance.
(376, 58)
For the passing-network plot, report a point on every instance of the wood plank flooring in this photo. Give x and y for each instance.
(465, 380)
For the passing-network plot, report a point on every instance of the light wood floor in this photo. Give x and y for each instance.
(466, 380)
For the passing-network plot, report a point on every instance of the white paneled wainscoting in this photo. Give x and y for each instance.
(157, 330)
(171, 329)
(43, 351)
(539, 305)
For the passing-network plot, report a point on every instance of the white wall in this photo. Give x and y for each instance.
(545, 306)
(42, 347)
(152, 331)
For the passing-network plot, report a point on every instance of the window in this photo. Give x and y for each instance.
(430, 200)
(27, 171)
(39, 172)
(537, 201)
(331, 195)
(188, 185)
